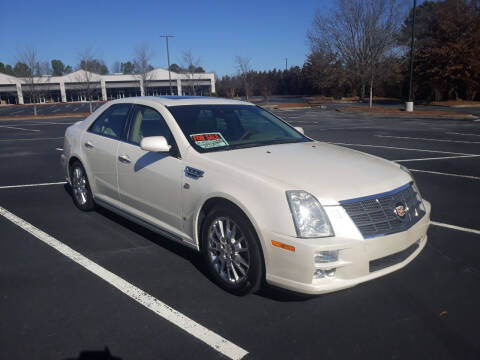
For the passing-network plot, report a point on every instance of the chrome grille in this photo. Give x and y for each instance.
(375, 215)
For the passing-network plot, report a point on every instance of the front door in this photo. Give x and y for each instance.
(149, 183)
(100, 145)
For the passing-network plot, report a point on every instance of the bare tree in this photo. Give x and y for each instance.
(87, 77)
(383, 25)
(359, 33)
(191, 68)
(142, 68)
(244, 68)
(32, 72)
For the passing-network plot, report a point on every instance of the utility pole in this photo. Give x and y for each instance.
(410, 89)
(286, 64)
(168, 59)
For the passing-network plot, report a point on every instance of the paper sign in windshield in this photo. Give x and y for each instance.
(209, 140)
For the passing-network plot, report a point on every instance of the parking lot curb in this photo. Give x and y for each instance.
(451, 116)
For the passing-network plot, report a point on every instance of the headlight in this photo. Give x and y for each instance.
(418, 196)
(308, 215)
(415, 188)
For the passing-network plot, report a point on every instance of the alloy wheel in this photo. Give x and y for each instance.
(228, 250)
(79, 185)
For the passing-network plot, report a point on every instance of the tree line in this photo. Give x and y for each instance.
(360, 48)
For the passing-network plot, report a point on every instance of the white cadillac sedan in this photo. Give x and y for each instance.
(259, 200)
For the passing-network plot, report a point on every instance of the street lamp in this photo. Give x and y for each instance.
(409, 104)
(168, 59)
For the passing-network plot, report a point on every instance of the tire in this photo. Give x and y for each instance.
(233, 259)
(81, 192)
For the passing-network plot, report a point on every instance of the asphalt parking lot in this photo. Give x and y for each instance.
(53, 308)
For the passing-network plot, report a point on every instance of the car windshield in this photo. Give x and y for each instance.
(226, 127)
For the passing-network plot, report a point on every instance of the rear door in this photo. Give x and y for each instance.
(100, 145)
(150, 183)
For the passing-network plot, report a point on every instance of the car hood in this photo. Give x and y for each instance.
(331, 173)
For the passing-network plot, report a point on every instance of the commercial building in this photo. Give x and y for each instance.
(82, 85)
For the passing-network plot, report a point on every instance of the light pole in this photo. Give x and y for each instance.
(168, 59)
(410, 88)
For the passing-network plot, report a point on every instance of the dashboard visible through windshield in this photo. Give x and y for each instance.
(226, 127)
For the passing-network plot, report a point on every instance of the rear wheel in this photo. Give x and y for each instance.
(81, 193)
(231, 251)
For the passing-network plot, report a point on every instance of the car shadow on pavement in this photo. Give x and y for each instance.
(177, 248)
(170, 245)
(195, 258)
(282, 295)
(95, 355)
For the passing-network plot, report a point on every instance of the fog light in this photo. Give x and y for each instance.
(323, 257)
(324, 273)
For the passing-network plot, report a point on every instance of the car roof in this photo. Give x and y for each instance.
(182, 100)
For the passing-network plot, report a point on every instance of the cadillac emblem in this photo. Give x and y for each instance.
(400, 210)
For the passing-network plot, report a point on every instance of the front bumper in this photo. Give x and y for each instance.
(359, 260)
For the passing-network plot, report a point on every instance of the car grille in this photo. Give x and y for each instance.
(376, 215)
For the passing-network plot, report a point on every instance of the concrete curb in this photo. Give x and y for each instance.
(452, 116)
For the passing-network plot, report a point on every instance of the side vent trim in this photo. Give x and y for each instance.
(193, 173)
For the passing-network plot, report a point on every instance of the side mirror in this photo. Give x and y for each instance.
(299, 129)
(155, 144)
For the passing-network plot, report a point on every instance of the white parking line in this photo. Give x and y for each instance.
(428, 139)
(32, 185)
(439, 158)
(455, 227)
(344, 128)
(46, 123)
(399, 148)
(32, 139)
(17, 128)
(446, 174)
(464, 134)
(210, 338)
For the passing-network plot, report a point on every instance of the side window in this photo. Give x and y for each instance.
(112, 121)
(148, 122)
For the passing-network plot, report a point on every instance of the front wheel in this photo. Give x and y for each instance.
(231, 251)
(81, 193)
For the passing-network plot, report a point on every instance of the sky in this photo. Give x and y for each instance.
(266, 31)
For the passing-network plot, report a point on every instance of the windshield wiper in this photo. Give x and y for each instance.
(246, 145)
(263, 143)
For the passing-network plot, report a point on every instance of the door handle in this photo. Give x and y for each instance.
(89, 145)
(124, 159)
